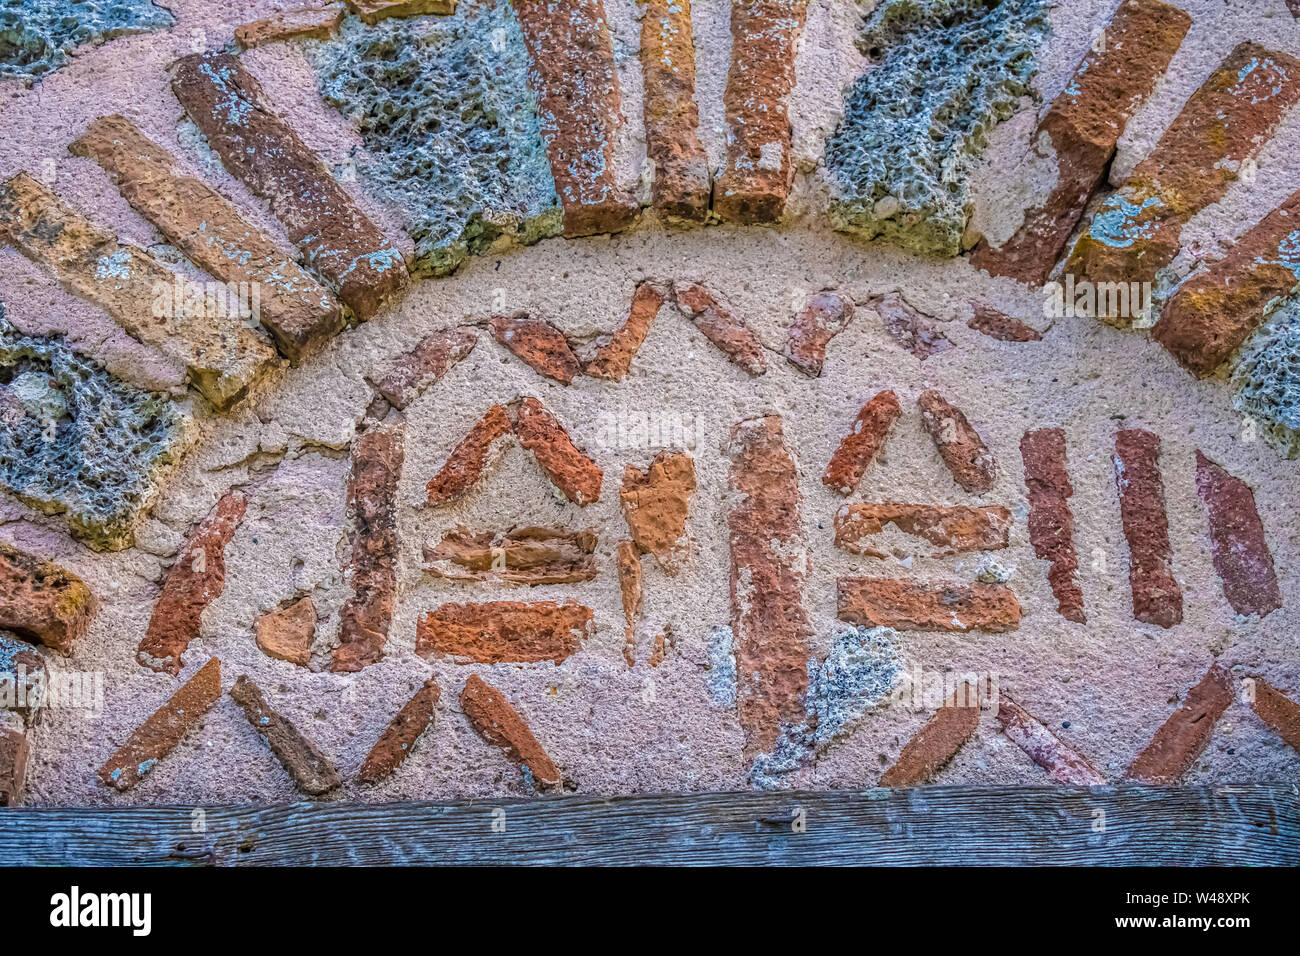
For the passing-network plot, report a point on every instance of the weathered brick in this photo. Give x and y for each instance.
(1182, 737)
(628, 561)
(164, 729)
(656, 503)
(1083, 127)
(1241, 555)
(1212, 313)
(960, 446)
(759, 170)
(196, 580)
(1051, 523)
(500, 725)
(529, 555)
(611, 357)
(952, 528)
(311, 770)
(257, 146)
(913, 606)
(13, 765)
(909, 328)
(287, 633)
(210, 231)
(222, 357)
(23, 678)
(1157, 598)
(937, 742)
(567, 467)
(395, 743)
(859, 447)
(999, 325)
(576, 81)
(468, 460)
(405, 378)
(1228, 120)
(538, 343)
(1278, 711)
(768, 567)
(372, 11)
(497, 632)
(825, 316)
(1063, 764)
(720, 327)
(377, 456)
(672, 118)
(42, 602)
(302, 23)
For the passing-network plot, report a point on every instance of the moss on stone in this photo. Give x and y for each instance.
(450, 126)
(36, 36)
(944, 73)
(1267, 380)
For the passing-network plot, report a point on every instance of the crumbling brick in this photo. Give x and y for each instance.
(1182, 737)
(628, 560)
(656, 503)
(720, 327)
(500, 724)
(611, 358)
(529, 555)
(14, 752)
(913, 606)
(963, 451)
(395, 743)
(1241, 555)
(469, 459)
(1157, 598)
(404, 379)
(860, 446)
(567, 467)
(1051, 523)
(1063, 765)
(42, 602)
(538, 343)
(672, 119)
(504, 631)
(287, 633)
(311, 770)
(999, 325)
(917, 333)
(825, 316)
(301, 23)
(952, 528)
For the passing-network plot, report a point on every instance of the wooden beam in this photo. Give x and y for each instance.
(1125, 825)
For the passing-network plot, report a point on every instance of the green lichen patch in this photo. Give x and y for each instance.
(944, 74)
(37, 36)
(1267, 381)
(450, 124)
(75, 439)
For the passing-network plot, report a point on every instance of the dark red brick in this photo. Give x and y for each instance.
(959, 445)
(1051, 523)
(311, 771)
(500, 724)
(1241, 555)
(1278, 711)
(405, 378)
(917, 333)
(936, 743)
(1157, 598)
(999, 325)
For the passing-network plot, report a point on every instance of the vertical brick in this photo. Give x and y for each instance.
(311, 771)
(13, 765)
(726, 331)
(24, 678)
(405, 378)
(1241, 555)
(937, 742)
(860, 446)
(1063, 765)
(612, 356)
(42, 602)
(395, 743)
(500, 724)
(1157, 598)
(672, 118)
(1182, 738)
(913, 606)
(959, 444)
(628, 561)
(1051, 523)
(825, 316)
(656, 503)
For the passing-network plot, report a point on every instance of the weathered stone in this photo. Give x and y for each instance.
(1182, 737)
(395, 743)
(937, 742)
(1137, 231)
(468, 460)
(1083, 127)
(953, 528)
(287, 633)
(628, 560)
(720, 327)
(959, 445)
(1267, 381)
(672, 118)
(909, 328)
(23, 678)
(210, 231)
(529, 555)
(258, 147)
(372, 11)
(302, 23)
(377, 456)
(999, 325)
(576, 82)
(166, 727)
(504, 631)
(611, 358)
(1063, 764)
(860, 446)
(913, 606)
(568, 468)
(768, 566)
(759, 169)
(1241, 555)
(538, 343)
(222, 357)
(655, 506)
(1212, 313)
(311, 770)
(405, 378)
(196, 580)
(1051, 523)
(825, 316)
(41, 602)
(41, 35)
(1157, 598)
(13, 765)
(1278, 711)
(500, 725)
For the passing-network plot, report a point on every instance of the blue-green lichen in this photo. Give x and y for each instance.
(450, 126)
(944, 73)
(1267, 381)
(37, 36)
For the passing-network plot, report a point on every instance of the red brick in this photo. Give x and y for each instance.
(759, 170)
(405, 379)
(576, 82)
(372, 11)
(538, 343)
(504, 631)
(1278, 711)
(913, 606)
(953, 528)
(500, 724)
(672, 119)
(1182, 738)
(42, 602)
(612, 356)
(14, 752)
(395, 743)
(628, 560)
(720, 327)
(1051, 523)
(287, 633)
(1083, 126)
(568, 468)
(655, 505)
(311, 771)
(936, 743)
(528, 555)
(1157, 598)
(166, 727)
(959, 445)
(860, 446)
(768, 567)
(825, 316)
(1241, 555)
(196, 580)
(999, 325)
(1063, 765)
(344, 247)
(468, 460)
(909, 328)
(302, 23)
